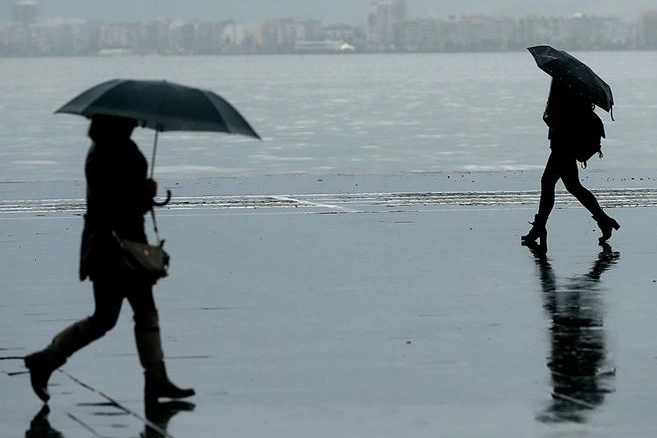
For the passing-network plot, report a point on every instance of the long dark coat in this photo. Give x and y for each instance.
(117, 199)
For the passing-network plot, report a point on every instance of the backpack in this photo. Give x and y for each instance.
(588, 142)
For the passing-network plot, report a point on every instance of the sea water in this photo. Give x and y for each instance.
(331, 114)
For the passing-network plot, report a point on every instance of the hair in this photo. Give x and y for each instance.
(104, 127)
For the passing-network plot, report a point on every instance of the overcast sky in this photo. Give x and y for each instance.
(345, 11)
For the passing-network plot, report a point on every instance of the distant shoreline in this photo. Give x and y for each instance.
(165, 55)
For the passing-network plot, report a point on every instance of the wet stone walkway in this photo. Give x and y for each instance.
(353, 313)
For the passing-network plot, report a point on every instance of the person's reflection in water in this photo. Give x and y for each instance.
(160, 414)
(40, 426)
(578, 365)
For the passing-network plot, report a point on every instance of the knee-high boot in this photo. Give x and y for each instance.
(41, 364)
(157, 384)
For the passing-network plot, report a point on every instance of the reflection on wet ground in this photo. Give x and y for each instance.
(40, 426)
(411, 321)
(581, 375)
(157, 414)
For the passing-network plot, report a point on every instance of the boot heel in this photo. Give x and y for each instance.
(537, 231)
(606, 225)
(157, 385)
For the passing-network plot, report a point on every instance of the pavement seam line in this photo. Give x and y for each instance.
(146, 421)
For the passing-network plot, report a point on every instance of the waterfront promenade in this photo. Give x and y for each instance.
(350, 306)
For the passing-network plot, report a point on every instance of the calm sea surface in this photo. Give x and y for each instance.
(356, 114)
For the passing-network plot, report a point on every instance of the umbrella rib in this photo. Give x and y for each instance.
(83, 110)
(204, 94)
(229, 128)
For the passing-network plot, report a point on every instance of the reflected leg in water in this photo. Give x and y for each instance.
(578, 358)
(161, 413)
(40, 426)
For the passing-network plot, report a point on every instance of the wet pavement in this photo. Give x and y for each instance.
(349, 306)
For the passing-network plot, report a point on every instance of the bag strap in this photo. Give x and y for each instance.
(157, 232)
(160, 242)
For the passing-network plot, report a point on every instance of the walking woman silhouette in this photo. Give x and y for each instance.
(572, 124)
(118, 195)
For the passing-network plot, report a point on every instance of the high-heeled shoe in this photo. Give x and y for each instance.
(606, 225)
(538, 231)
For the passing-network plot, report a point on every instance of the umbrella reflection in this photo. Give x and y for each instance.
(159, 414)
(578, 364)
(40, 426)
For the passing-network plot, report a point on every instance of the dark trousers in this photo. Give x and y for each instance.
(562, 166)
(108, 299)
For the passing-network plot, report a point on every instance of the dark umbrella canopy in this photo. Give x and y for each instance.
(573, 73)
(161, 105)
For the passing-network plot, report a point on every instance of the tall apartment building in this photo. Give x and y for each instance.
(25, 12)
(648, 30)
(383, 24)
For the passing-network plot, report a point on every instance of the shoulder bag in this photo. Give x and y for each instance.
(150, 261)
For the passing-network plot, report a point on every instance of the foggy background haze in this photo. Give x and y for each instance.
(339, 11)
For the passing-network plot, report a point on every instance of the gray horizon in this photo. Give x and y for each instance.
(334, 11)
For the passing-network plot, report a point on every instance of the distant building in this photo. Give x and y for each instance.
(648, 30)
(388, 30)
(241, 38)
(383, 23)
(281, 36)
(325, 46)
(468, 33)
(576, 32)
(343, 32)
(25, 12)
(422, 35)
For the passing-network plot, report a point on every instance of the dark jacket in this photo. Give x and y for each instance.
(571, 121)
(117, 199)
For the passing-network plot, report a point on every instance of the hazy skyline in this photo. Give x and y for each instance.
(344, 11)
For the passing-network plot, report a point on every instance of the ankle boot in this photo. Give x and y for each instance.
(606, 225)
(537, 231)
(41, 365)
(157, 385)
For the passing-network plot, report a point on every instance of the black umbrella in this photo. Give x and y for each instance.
(162, 106)
(575, 74)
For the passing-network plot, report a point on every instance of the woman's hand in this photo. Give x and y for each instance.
(149, 193)
(151, 188)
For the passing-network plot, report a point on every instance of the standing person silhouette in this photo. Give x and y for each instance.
(572, 123)
(118, 195)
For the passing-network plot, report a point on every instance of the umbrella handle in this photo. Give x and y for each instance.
(165, 202)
